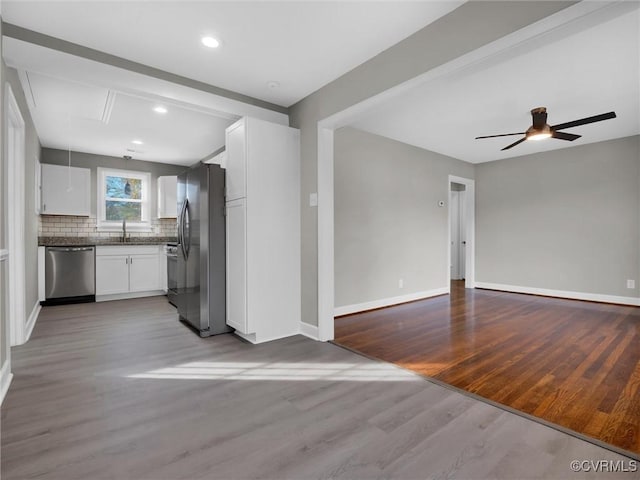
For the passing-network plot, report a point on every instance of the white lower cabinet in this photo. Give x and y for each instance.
(129, 271)
(237, 266)
(112, 274)
(144, 273)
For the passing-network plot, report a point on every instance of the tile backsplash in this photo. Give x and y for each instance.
(68, 226)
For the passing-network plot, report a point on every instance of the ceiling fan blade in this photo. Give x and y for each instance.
(514, 144)
(584, 121)
(501, 135)
(565, 136)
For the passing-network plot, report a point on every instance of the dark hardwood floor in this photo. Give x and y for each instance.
(572, 363)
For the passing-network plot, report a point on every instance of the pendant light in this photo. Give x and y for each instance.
(69, 187)
(127, 188)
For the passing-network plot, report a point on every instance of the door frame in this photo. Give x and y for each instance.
(454, 225)
(15, 154)
(469, 211)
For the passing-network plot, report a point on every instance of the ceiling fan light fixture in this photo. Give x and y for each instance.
(538, 136)
(539, 133)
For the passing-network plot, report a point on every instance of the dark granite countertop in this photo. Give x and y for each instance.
(69, 241)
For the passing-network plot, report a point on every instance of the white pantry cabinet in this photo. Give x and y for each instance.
(65, 190)
(129, 271)
(167, 196)
(263, 229)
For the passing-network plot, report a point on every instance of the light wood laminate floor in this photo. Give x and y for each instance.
(568, 362)
(122, 390)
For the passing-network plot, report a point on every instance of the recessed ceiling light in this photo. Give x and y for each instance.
(137, 142)
(210, 42)
(160, 109)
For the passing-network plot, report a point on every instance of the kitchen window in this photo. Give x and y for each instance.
(123, 195)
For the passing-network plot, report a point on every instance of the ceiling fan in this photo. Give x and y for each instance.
(540, 129)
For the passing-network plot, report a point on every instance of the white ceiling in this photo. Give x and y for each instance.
(100, 109)
(587, 67)
(301, 44)
(97, 120)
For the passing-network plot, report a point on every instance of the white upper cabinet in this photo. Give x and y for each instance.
(236, 170)
(167, 197)
(66, 190)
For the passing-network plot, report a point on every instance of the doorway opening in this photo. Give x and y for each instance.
(457, 233)
(461, 246)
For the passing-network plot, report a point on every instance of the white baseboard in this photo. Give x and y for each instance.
(310, 331)
(255, 339)
(387, 302)
(31, 321)
(5, 379)
(592, 297)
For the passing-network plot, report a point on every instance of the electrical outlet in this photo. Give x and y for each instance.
(631, 284)
(401, 283)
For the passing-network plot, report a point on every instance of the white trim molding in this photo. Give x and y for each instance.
(14, 150)
(388, 302)
(590, 297)
(5, 379)
(31, 321)
(326, 274)
(310, 331)
(470, 228)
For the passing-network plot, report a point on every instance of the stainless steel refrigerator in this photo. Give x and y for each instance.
(201, 250)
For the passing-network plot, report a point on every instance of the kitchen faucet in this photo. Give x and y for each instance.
(124, 230)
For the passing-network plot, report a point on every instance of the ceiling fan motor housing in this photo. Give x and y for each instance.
(540, 128)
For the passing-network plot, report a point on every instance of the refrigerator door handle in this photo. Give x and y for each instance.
(181, 229)
(186, 229)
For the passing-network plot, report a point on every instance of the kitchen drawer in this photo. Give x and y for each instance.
(105, 250)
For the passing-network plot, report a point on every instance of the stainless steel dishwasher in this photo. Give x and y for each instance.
(70, 274)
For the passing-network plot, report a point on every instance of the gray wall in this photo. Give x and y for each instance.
(563, 220)
(32, 154)
(89, 160)
(470, 26)
(388, 225)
